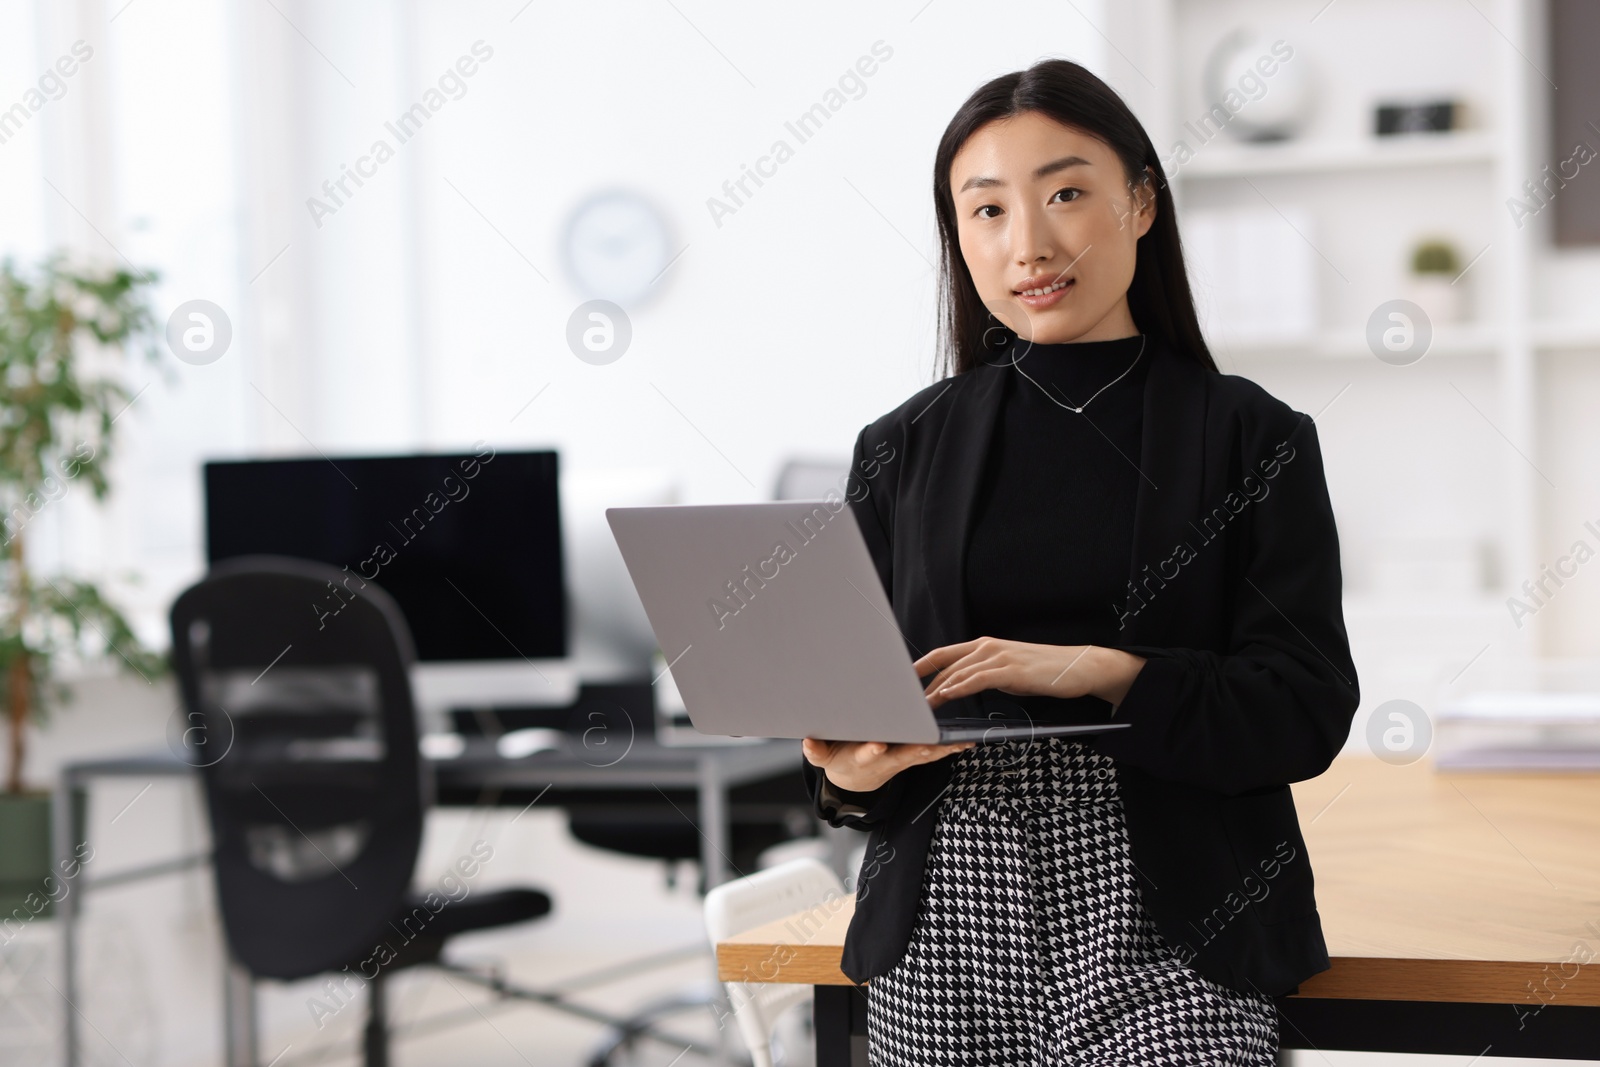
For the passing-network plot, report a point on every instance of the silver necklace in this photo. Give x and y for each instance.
(1015, 363)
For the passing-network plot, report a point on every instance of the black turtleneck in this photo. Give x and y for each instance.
(1053, 532)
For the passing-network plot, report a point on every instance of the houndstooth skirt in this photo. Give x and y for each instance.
(1031, 944)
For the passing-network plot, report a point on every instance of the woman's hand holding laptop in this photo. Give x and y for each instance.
(1015, 667)
(862, 766)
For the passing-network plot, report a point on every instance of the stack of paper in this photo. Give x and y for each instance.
(1508, 729)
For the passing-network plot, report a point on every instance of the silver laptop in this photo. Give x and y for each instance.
(774, 624)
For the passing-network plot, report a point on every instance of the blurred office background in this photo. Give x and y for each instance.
(598, 150)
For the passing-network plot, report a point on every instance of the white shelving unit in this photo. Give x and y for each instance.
(1460, 430)
(1296, 157)
(1472, 339)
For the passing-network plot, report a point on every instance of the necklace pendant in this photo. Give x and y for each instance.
(1079, 409)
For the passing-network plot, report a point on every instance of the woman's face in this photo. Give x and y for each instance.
(1039, 204)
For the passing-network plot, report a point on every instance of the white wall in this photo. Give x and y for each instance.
(432, 306)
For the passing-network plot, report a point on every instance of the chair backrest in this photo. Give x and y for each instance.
(809, 479)
(763, 897)
(295, 684)
(769, 895)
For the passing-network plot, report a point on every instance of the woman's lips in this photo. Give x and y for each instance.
(1049, 298)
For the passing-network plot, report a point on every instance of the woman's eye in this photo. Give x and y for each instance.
(1069, 189)
(980, 211)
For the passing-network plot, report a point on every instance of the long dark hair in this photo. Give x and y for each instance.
(1158, 297)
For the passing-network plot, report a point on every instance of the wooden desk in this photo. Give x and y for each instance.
(1461, 910)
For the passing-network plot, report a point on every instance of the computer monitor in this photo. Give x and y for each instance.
(468, 544)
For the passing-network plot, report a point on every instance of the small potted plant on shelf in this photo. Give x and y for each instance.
(1435, 266)
(60, 333)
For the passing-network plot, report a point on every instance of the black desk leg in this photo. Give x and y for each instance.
(839, 1014)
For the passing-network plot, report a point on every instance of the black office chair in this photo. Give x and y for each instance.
(761, 814)
(302, 720)
(659, 825)
(662, 824)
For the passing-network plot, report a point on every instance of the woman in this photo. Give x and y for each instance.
(1088, 522)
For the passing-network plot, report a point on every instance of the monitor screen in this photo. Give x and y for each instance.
(468, 544)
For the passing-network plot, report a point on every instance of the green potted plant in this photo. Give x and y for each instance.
(1435, 266)
(60, 330)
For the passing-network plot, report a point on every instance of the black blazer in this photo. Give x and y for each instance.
(1233, 597)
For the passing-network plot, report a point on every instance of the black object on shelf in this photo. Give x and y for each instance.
(1435, 116)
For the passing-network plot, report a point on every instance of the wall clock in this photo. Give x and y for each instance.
(615, 246)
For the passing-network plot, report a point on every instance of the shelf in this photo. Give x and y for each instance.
(1304, 157)
(1363, 186)
(1555, 335)
(1448, 341)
